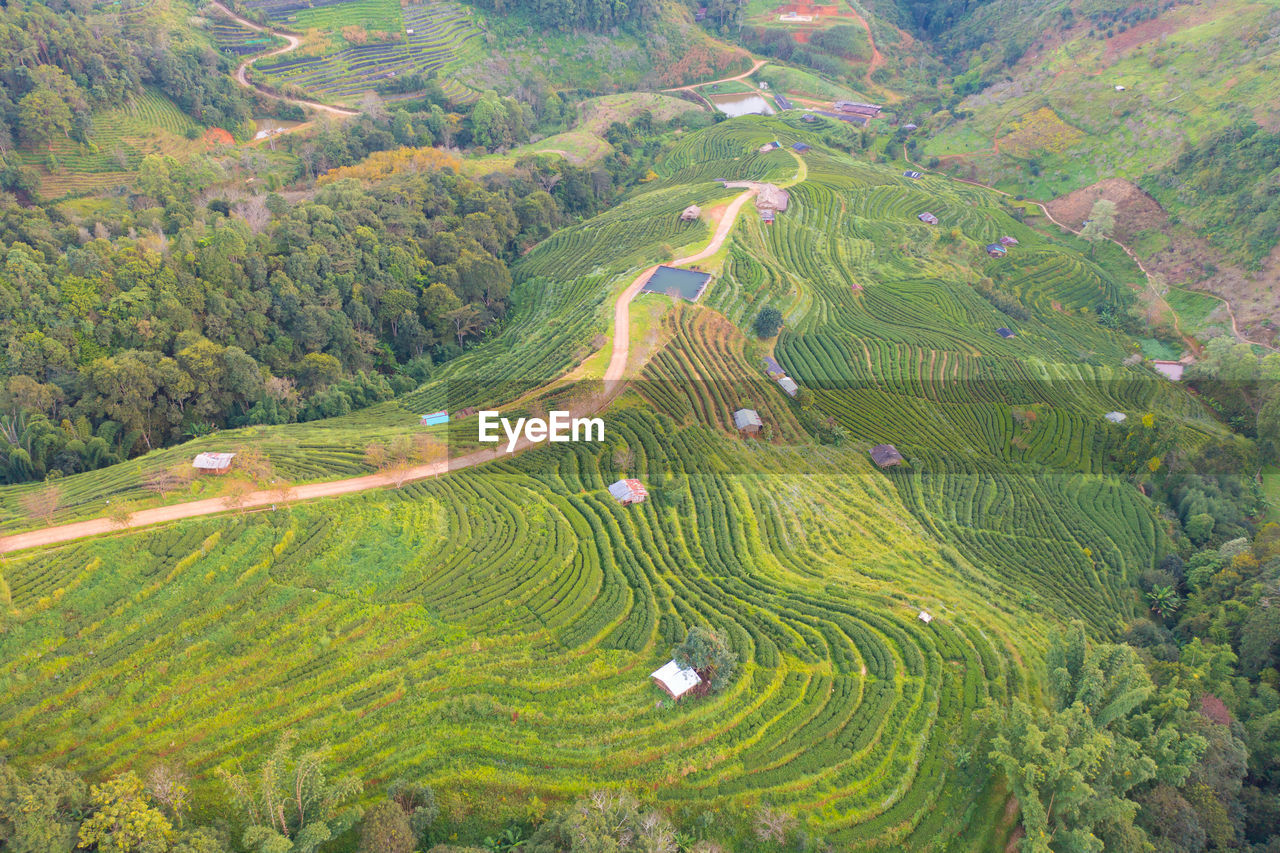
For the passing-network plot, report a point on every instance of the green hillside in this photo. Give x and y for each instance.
(491, 631)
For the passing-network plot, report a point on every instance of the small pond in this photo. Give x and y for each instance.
(741, 104)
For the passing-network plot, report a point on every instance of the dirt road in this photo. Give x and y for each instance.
(334, 488)
(622, 310)
(693, 87)
(242, 72)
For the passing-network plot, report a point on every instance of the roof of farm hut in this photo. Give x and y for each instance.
(212, 460)
(928, 217)
(789, 385)
(691, 212)
(628, 490)
(1116, 417)
(1008, 241)
(801, 147)
(675, 679)
(885, 455)
(997, 249)
(744, 418)
(911, 174)
(925, 617)
(770, 197)
(1005, 332)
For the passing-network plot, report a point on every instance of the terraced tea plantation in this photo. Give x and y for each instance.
(493, 631)
(433, 36)
(121, 137)
(237, 39)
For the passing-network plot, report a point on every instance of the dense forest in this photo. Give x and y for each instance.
(59, 67)
(1228, 187)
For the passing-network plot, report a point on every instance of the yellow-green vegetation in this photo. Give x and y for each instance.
(491, 632)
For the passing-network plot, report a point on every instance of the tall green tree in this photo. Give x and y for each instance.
(1105, 736)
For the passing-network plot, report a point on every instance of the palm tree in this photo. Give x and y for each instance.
(1164, 600)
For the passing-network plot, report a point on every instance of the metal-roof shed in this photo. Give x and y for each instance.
(676, 681)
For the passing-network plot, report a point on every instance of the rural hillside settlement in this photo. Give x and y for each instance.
(681, 426)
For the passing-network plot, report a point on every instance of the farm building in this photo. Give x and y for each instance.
(928, 218)
(995, 250)
(627, 492)
(1116, 417)
(808, 118)
(775, 369)
(795, 18)
(691, 213)
(855, 108)
(771, 146)
(925, 617)
(1005, 332)
(747, 420)
(701, 14)
(782, 101)
(911, 127)
(213, 463)
(789, 385)
(435, 418)
(1119, 88)
(801, 147)
(915, 176)
(465, 413)
(674, 680)
(1169, 369)
(886, 456)
(687, 284)
(771, 197)
(766, 216)
(1008, 241)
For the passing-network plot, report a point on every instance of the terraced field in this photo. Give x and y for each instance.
(441, 34)
(238, 40)
(514, 614)
(121, 137)
(493, 630)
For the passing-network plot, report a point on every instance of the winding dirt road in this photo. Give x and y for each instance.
(242, 72)
(334, 488)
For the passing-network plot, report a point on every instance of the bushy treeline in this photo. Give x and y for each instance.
(292, 801)
(567, 15)
(60, 64)
(1228, 187)
(828, 51)
(1213, 630)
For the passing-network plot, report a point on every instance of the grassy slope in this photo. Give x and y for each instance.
(493, 630)
(1179, 83)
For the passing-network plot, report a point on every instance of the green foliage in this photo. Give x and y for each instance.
(1074, 766)
(768, 322)
(1224, 186)
(709, 654)
(40, 812)
(292, 806)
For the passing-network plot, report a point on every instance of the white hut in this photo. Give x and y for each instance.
(676, 681)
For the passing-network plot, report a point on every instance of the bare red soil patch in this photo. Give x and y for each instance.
(218, 136)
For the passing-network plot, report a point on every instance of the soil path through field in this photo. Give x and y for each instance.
(242, 73)
(622, 310)
(693, 87)
(334, 488)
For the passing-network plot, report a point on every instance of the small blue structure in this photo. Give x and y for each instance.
(801, 147)
(915, 176)
(995, 250)
(1005, 333)
(435, 418)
